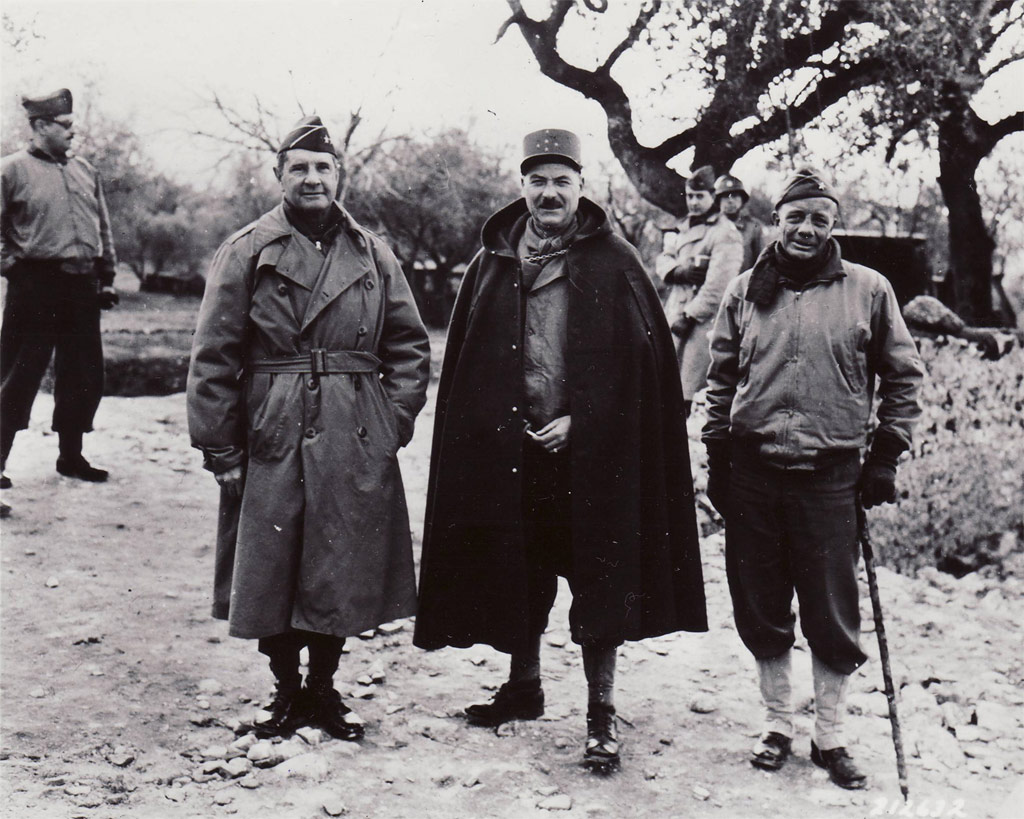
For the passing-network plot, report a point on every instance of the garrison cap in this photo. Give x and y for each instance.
(309, 134)
(727, 183)
(805, 183)
(702, 179)
(54, 104)
(551, 145)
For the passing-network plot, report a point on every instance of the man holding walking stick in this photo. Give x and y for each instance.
(795, 352)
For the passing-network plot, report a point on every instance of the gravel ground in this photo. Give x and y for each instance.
(120, 693)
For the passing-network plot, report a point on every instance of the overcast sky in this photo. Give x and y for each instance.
(411, 65)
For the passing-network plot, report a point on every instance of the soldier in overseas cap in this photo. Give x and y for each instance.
(558, 452)
(58, 258)
(313, 545)
(786, 428)
(732, 200)
(698, 260)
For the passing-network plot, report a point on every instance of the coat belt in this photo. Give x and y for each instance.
(318, 362)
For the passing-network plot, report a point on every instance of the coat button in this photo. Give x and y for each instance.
(312, 383)
(369, 284)
(361, 331)
(282, 289)
(310, 432)
(361, 432)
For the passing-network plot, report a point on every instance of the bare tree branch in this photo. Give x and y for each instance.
(830, 90)
(1001, 64)
(639, 26)
(990, 134)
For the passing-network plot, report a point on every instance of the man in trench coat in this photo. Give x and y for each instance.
(699, 259)
(309, 366)
(559, 449)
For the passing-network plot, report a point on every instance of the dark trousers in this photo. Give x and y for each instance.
(547, 532)
(547, 529)
(796, 530)
(48, 312)
(283, 651)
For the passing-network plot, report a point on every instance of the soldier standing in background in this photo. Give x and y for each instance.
(732, 200)
(58, 258)
(699, 259)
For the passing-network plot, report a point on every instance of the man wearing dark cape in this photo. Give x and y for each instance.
(559, 448)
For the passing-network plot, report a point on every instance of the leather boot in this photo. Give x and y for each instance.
(523, 699)
(601, 753)
(329, 712)
(771, 751)
(75, 466)
(287, 712)
(840, 766)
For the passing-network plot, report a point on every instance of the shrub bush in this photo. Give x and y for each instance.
(961, 486)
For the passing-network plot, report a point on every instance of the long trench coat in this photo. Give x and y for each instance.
(714, 246)
(635, 556)
(320, 539)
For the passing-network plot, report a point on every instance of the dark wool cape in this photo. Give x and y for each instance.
(636, 560)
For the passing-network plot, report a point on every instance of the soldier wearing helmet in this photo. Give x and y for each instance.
(732, 200)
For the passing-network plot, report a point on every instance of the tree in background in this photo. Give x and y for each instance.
(430, 197)
(153, 218)
(941, 54)
(765, 69)
(735, 75)
(257, 130)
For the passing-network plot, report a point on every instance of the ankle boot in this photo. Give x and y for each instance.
(329, 712)
(286, 713)
(523, 699)
(601, 753)
(840, 766)
(75, 466)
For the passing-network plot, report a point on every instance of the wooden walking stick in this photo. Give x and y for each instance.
(883, 646)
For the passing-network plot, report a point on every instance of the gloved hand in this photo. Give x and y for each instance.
(695, 276)
(674, 276)
(682, 327)
(108, 297)
(719, 474)
(877, 484)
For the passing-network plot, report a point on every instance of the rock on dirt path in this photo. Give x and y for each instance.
(121, 695)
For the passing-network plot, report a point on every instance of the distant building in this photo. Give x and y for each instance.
(903, 260)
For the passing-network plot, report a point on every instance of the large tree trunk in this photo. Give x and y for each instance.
(970, 244)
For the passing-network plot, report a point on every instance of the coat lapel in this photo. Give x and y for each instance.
(694, 234)
(344, 265)
(287, 259)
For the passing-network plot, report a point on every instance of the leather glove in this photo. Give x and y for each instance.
(695, 276)
(719, 474)
(108, 297)
(674, 276)
(682, 327)
(877, 484)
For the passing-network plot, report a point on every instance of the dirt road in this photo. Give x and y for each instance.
(118, 687)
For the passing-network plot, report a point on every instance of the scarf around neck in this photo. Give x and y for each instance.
(774, 266)
(542, 250)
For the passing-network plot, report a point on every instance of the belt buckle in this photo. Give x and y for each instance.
(317, 363)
